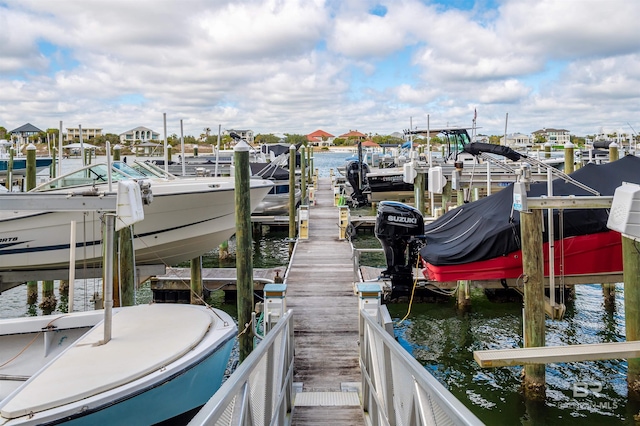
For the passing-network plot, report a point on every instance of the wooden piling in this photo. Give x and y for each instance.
(32, 292)
(127, 270)
(49, 301)
(446, 196)
(303, 176)
(196, 281)
(613, 152)
(631, 276)
(569, 160)
(608, 289)
(418, 191)
(534, 314)
(9, 181)
(292, 197)
(31, 167)
(116, 152)
(244, 265)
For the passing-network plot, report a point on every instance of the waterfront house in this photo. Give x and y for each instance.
(320, 138)
(555, 136)
(73, 133)
(137, 135)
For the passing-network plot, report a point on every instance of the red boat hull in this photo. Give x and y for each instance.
(582, 255)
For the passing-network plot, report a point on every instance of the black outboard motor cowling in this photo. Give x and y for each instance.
(398, 227)
(353, 170)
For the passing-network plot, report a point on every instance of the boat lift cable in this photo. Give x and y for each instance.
(535, 162)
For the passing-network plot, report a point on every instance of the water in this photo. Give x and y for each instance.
(443, 340)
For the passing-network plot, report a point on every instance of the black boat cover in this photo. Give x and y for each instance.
(269, 171)
(489, 227)
(476, 148)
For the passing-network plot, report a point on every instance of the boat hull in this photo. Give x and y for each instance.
(185, 220)
(183, 383)
(599, 253)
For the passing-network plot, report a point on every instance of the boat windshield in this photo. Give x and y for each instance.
(150, 170)
(95, 174)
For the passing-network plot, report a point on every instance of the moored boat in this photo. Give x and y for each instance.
(187, 218)
(55, 369)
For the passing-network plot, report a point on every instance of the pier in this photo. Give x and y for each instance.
(321, 293)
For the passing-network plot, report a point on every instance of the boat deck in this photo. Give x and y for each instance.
(326, 372)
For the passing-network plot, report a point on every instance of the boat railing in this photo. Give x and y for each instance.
(397, 389)
(260, 390)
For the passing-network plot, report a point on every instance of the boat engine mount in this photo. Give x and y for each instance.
(400, 230)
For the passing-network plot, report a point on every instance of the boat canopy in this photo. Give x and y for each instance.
(489, 228)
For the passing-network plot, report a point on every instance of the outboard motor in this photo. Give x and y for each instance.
(398, 227)
(356, 181)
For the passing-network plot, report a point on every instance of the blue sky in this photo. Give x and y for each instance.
(295, 66)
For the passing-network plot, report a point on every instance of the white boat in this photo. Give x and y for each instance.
(163, 360)
(187, 218)
(134, 365)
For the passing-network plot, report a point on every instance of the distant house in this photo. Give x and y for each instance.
(74, 133)
(245, 135)
(23, 132)
(353, 135)
(517, 140)
(555, 136)
(139, 134)
(320, 138)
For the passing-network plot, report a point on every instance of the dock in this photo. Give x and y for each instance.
(327, 374)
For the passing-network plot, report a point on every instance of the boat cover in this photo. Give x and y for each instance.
(269, 171)
(489, 228)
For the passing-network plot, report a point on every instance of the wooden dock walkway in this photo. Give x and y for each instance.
(320, 291)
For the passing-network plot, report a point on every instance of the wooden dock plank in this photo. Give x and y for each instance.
(320, 291)
(552, 354)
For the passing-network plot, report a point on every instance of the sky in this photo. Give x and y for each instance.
(296, 66)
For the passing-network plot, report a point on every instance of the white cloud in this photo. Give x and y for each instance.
(295, 66)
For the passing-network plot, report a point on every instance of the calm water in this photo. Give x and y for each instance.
(443, 340)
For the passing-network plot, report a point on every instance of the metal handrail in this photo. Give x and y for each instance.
(396, 389)
(357, 275)
(260, 391)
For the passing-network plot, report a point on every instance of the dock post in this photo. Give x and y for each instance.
(126, 261)
(418, 191)
(446, 196)
(49, 300)
(343, 222)
(292, 197)
(244, 260)
(569, 160)
(613, 152)
(303, 176)
(303, 222)
(631, 276)
(9, 181)
(609, 289)
(53, 171)
(463, 299)
(547, 150)
(196, 280)
(117, 149)
(275, 304)
(534, 314)
(31, 167)
(32, 292)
